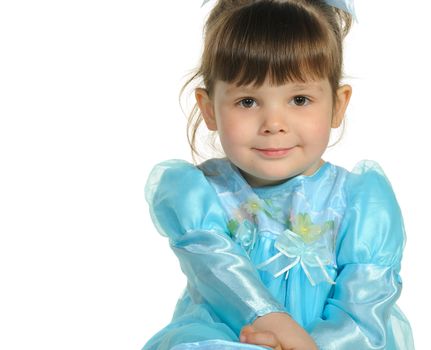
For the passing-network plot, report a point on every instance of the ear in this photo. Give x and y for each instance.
(342, 99)
(206, 107)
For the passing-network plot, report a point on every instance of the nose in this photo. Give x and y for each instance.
(274, 123)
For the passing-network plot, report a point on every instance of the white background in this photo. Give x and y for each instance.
(89, 103)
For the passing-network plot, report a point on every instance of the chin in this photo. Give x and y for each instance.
(262, 179)
(279, 176)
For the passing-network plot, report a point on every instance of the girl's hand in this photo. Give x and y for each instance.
(290, 335)
(265, 338)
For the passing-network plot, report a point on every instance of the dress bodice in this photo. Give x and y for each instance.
(287, 229)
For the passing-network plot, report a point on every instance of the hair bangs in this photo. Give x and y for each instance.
(280, 41)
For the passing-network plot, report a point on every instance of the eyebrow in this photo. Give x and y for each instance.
(301, 87)
(240, 88)
(297, 87)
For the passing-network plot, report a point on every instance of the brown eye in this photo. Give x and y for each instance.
(247, 102)
(300, 100)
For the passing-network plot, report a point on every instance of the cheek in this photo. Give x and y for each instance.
(232, 130)
(317, 132)
(230, 134)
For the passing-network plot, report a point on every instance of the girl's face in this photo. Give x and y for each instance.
(273, 133)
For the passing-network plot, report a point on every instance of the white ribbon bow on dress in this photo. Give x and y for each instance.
(313, 257)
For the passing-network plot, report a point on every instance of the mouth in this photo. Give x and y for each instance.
(274, 152)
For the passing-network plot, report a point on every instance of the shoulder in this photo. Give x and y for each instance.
(372, 228)
(181, 177)
(173, 171)
(368, 182)
(180, 196)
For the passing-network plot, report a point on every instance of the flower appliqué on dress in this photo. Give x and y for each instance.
(242, 227)
(303, 242)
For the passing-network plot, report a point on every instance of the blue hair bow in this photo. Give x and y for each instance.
(345, 5)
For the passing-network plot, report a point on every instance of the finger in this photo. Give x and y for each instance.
(264, 338)
(245, 331)
(248, 329)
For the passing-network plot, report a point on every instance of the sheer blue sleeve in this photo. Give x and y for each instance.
(185, 208)
(369, 249)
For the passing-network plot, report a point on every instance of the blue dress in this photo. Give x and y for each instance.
(324, 248)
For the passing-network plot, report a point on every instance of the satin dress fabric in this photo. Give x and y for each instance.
(325, 248)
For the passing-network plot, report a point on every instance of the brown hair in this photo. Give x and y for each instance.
(247, 41)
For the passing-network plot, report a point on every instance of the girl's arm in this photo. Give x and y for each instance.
(185, 208)
(360, 313)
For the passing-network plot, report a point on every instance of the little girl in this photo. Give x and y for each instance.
(281, 249)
